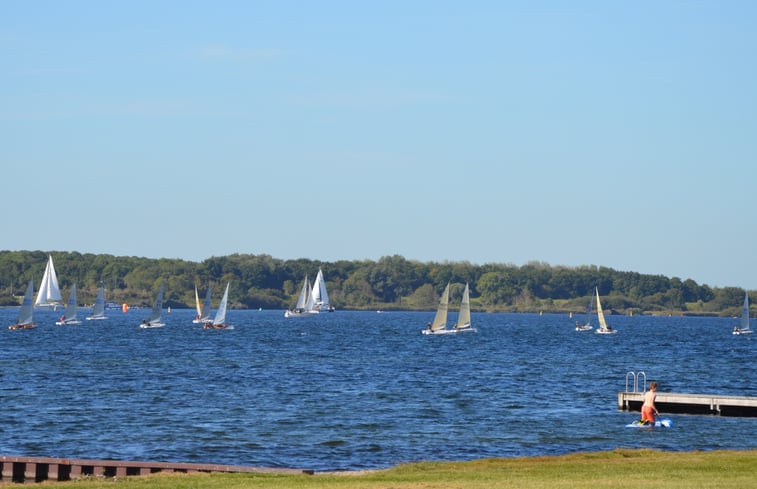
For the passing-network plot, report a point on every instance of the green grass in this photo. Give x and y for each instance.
(618, 469)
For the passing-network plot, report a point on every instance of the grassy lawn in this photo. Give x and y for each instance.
(618, 469)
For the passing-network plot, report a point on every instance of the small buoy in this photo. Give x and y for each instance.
(125, 308)
(169, 309)
(260, 308)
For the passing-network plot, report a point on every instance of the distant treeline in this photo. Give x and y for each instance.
(392, 282)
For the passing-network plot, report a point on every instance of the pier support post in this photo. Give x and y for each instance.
(30, 472)
(7, 469)
(52, 472)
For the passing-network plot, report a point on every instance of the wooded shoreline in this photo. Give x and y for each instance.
(390, 283)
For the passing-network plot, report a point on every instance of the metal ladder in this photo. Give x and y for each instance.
(636, 376)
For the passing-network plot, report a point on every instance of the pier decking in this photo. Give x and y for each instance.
(39, 469)
(668, 402)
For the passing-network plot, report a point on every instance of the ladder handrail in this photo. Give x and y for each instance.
(633, 375)
(636, 376)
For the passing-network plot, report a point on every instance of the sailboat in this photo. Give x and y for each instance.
(26, 312)
(463, 319)
(219, 321)
(98, 312)
(203, 311)
(744, 328)
(320, 295)
(69, 316)
(439, 326)
(49, 292)
(304, 301)
(586, 326)
(155, 320)
(603, 327)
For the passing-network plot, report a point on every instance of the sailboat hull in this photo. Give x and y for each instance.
(464, 329)
(67, 322)
(22, 326)
(217, 326)
(449, 331)
(295, 314)
(152, 325)
(438, 331)
(742, 331)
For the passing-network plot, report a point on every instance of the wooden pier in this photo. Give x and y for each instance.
(39, 469)
(668, 402)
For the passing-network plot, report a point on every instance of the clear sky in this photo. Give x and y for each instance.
(618, 134)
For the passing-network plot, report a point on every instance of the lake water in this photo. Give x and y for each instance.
(352, 390)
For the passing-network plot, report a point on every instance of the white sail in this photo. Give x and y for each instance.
(603, 327)
(49, 291)
(745, 313)
(205, 310)
(157, 308)
(26, 313)
(303, 298)
(320, 295)
(586, 326)
(69, 316)
(440, 318)
(198, 307)
(304, 301)
(744, 329)
(98, 311)
(310, 302)
(220, 318)
(463, 319)
(156, 313)
(316, 293)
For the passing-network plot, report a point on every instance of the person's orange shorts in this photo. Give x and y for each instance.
(647, 413)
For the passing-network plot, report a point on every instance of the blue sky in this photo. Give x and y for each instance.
(618, 134)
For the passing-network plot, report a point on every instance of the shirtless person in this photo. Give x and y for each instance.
(648, 409)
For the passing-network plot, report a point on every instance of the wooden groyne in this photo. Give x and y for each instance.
(39, 469)
(668, 402)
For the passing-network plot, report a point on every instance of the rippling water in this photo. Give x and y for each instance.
(352, 390)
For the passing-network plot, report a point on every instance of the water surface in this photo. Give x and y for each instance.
(351, 390)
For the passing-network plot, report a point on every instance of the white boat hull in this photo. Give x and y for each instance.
(606, 331)
(584, 328)
(151, 325)
(438, 331)
(464, 330)
(742, 331)
(67, 322)
(298, 314)
(448, 331)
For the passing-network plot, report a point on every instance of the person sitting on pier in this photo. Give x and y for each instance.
(648, 409)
